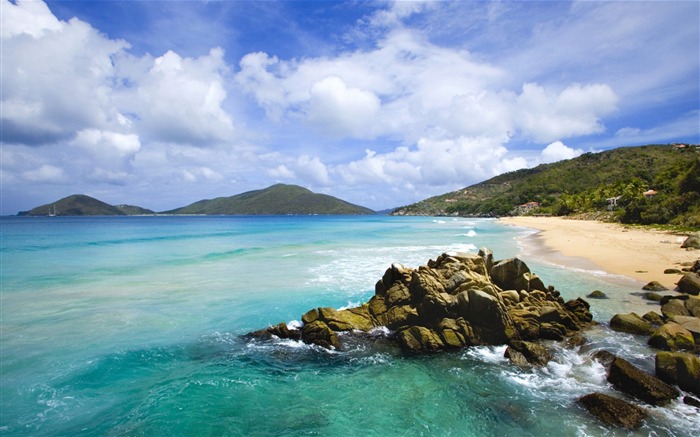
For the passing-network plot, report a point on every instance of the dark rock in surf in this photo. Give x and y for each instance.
(629, 379)
(614, 411)
(689, 400)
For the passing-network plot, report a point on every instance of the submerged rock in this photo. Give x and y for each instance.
(614, 411)
(597, 294)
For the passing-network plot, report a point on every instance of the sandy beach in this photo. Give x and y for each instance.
(642, 255)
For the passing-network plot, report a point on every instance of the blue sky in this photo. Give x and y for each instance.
(163, 103)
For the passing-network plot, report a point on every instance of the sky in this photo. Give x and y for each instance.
(163, 103)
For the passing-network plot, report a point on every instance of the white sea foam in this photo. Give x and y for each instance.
(355, 271)
(349, 305)
(294, 324)
(567, 376)
(471, 233)
(374, 360)
(380, 331)
(486, 354)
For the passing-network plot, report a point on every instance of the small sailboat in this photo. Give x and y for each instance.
(52, 213)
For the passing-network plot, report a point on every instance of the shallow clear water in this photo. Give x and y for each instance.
(132, 326)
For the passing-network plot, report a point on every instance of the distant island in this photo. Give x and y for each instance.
(279, 199)
(653, 184)
(80, 204)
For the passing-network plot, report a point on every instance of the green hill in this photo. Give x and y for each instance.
(584, 184)
(278, 199)
(77, 204)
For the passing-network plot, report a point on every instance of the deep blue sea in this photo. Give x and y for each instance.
(132, 326)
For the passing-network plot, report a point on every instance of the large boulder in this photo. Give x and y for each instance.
(682, 369)
(690, 283)
(514, 274)
(672, 337)
(674, 307)
(631, 323)
(614, 411)
(629, 379)
(692, 324)
(692, 242)
(693, 306)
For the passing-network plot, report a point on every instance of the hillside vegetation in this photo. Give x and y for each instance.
(584, 185)
(278, 199)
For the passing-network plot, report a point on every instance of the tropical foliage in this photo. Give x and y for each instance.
(584, 185)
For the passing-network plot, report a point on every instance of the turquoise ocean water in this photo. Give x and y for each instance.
(133, 325)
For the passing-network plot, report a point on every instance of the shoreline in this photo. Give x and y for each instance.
(641, 255)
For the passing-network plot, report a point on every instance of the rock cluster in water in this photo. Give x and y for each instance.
(675, 331)
(455, 301)
(461, 300)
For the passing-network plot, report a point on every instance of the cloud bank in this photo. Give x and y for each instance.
(416, 98)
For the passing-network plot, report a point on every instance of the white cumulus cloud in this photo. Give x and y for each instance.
(558, 151)
(45, 173)
(338, 109)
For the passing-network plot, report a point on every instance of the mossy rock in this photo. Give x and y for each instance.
(597, 294)
(654, 286)
(680, 368)
(631, 323)
(672, 337)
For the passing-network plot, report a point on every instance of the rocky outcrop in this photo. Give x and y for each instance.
(682, 369)
(455, 301)
(614, 411)
(629, 379)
